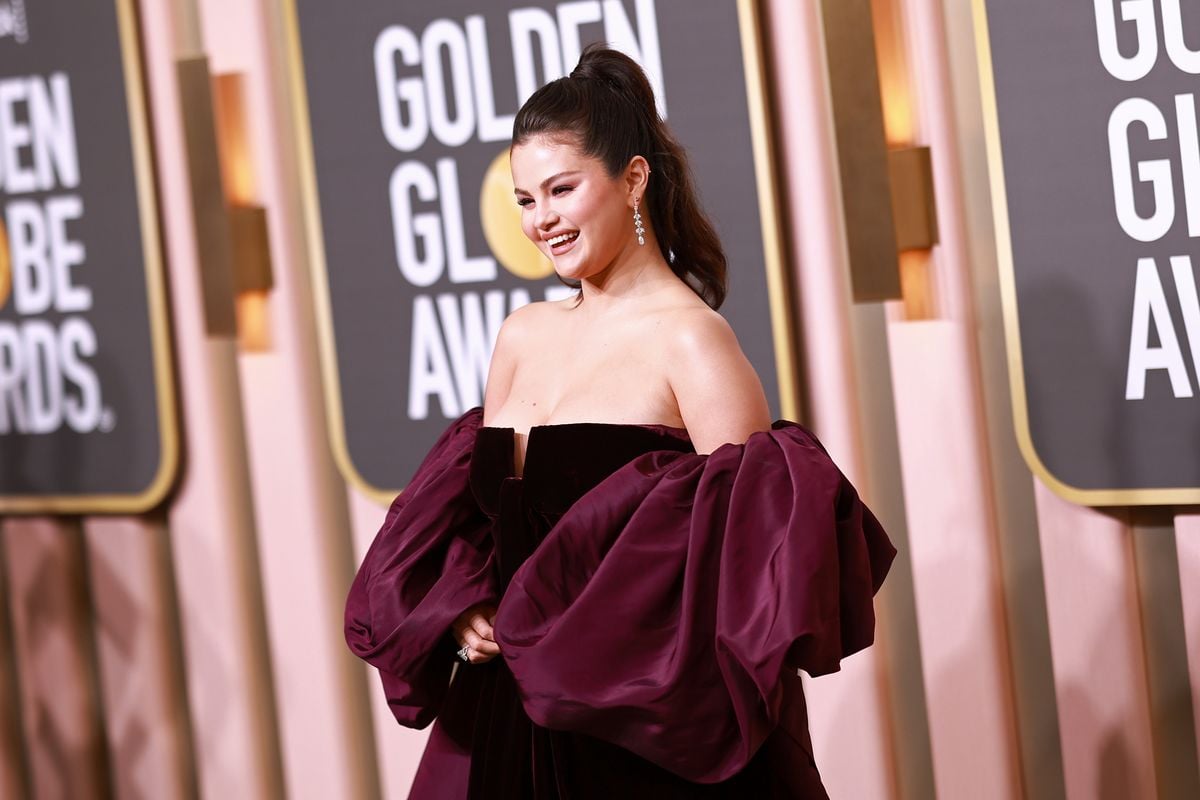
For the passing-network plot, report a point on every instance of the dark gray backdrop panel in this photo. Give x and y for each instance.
(1074, 266)
(81, 40)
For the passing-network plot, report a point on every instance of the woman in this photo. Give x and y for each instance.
(629, 561)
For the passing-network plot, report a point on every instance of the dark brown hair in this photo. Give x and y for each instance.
(607, 106)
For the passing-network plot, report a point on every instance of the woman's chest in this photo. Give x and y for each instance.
(613, 379)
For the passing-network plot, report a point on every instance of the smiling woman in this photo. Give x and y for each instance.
(632, 604)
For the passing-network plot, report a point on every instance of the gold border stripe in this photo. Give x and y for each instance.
(331, 379)
(778, 285)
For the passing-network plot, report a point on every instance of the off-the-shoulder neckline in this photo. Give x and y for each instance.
(536, 432)
(648, 425)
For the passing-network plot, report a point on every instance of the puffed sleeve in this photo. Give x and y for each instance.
(661, 611)
(431, 560)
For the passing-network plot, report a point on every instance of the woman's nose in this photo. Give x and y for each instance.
(545, 217)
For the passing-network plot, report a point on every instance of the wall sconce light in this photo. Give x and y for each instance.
(914, 213)
(910, 174)
(231, 228)
(252, 274)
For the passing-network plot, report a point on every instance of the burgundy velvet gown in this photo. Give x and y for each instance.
(654, 607)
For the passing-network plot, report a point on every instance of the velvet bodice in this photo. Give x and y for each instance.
(564, 461)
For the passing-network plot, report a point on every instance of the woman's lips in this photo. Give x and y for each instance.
(564, 247)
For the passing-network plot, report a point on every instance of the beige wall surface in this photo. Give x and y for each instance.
(1027, 647)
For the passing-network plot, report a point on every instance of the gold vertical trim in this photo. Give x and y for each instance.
(314, 235)
(1008, 297)
(778, 285)
(164, 380)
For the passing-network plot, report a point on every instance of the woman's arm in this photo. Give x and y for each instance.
(719, 394)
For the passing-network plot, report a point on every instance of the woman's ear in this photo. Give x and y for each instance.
(637, 176)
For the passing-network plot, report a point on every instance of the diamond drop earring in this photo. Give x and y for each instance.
(637, 223)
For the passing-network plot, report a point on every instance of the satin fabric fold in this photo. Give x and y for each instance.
(663, 608)
(654, 605)
(431, 560)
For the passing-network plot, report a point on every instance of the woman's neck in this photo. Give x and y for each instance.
(635, 274)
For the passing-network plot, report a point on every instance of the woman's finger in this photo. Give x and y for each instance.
(472, 639)
(487, 648)
(478, 658)
(482, 627)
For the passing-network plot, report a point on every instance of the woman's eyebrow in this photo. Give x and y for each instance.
(551, 179)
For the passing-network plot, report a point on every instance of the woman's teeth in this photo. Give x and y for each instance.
(557, 240)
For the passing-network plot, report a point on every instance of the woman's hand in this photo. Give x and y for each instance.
(473, 630)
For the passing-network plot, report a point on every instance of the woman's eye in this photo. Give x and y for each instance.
(524, 201)
(562, 189)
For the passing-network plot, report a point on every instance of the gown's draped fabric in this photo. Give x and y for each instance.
(653, 608)
(432, 559)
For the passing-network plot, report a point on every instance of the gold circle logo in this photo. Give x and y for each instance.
(5, 267)
(501, 218)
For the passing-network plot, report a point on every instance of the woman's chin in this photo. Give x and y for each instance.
(572, 271)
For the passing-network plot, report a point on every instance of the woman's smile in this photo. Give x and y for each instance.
(563, 243)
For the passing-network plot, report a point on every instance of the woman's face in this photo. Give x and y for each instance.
(574, 212)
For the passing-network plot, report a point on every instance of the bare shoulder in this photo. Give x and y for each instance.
(699, 338)
(520, 331)
(530, 322)
(720, 395)
(527, 319)
(699, 332)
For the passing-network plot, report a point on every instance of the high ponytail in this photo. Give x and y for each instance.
(607, 104)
